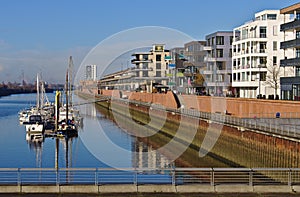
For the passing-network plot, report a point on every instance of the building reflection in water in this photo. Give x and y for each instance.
(90, 110)
(144, 156)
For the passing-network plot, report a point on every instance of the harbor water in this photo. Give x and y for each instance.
(100, 143)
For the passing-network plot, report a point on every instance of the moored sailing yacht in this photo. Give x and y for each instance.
(66, 124)
(36, 118)
(36, 122)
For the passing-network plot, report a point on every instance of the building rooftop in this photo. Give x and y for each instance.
(290, 9)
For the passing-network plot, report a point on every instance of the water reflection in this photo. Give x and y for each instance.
(35, 142)
(145, 156)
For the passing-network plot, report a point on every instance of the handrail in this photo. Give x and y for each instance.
(137, 176)
(255, 123)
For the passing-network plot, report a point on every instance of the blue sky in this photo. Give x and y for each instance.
(39, 35)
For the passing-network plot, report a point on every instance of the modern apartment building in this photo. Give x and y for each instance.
(151, 68)
(218, 63)
(256, 55)
(177, 76)
(290, 86)
(194, 55)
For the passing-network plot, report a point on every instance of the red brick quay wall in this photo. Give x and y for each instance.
(239, 107)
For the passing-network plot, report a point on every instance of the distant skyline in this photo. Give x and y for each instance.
(39, 36)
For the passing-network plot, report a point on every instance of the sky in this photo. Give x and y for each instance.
(38, 36)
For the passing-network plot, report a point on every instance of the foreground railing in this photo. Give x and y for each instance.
(143, 176)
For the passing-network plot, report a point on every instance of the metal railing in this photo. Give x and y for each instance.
(142, 176)
(286, 125)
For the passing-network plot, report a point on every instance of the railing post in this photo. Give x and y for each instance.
(290, 177)
(57, 177)
(173, 176)
(96, 176)
(19, 177)
(135, 177)
(212, 177)
(251, 177)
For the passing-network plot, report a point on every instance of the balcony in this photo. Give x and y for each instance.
(207, 48)
(208, 72)
(290, 26)
(290, 62)
(136, 61)
(290, 44)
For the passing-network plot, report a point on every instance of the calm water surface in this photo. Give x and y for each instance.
(100, 143)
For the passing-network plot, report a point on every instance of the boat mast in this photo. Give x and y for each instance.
(37, 92)
(67, 96)
(71, 65)
(42, 94)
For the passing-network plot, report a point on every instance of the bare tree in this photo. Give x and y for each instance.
(273, 77)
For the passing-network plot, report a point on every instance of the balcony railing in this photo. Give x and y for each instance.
(290, 44)
(290, 62)
(291, 25)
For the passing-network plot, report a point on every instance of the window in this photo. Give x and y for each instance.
(220, 66)
(230, 52)
(263, 17)
(298, 16)
(208, 42)
(297, 53)
(158, 66)
(220, 40)
(145, 57)
(274, 45)
(263, 76)
(212, 53)
(297, 74)
(263, 61)
(145, 66)
(231, 40)
(158, 73)
(297, 34)
(263, 32)
(262, 47)
(219, 52)
(274, 60)
(271, 16)
(275, 30)
(212, 41)
(145, 73)
(158, 58)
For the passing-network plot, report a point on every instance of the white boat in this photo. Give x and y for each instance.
(35, 124)
(24, 116)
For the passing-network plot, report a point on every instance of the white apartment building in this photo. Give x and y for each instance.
(91, 72)
(255, 50)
